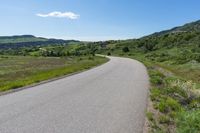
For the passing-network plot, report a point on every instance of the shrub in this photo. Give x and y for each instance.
(155, 93)
(168, 105)
(156, 80)
(90, 58)
(156, 77)
(172, 104)
(125, 49)
(185, 89)
(162, 106)
(187, 86)
(195, 103)
(153, 73)
(188, 122)
(149, 116)
(164, 119)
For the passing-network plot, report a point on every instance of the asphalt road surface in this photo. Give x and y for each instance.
(110, 98)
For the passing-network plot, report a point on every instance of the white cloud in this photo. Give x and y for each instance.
(69, 15)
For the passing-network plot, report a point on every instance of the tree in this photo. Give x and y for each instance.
(149, 46)
(125, 49)
(108, 53)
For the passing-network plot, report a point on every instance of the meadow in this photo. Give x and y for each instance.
(19, 71)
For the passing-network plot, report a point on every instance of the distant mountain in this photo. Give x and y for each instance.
(189, 27)
(19, 39)
(30, 40)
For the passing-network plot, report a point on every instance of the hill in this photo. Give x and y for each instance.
(193, 26)
(178, 45)
(20, 39)
(172, 58)
(11, 42)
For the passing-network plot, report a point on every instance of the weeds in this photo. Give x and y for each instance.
(150, 116)
(177, 103)
(188, 122)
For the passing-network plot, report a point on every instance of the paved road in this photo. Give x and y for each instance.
(107, 99)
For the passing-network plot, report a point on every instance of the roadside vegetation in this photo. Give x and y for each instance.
(19, 71)
(174, 97)
(27, 59)
(174, 104)
(173, 61)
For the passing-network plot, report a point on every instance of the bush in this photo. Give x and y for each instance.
(149, 116)
(168, 105)
(172, 104)
(90, 58)
(188, 122)
(156, 80)
(125, 49)
(195, 103)
(156, 77)
(164, 119)
(108, 53)
(162, 106)
(155, 94)
(153, 73)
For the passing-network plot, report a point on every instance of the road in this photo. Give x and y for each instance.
(110, 98)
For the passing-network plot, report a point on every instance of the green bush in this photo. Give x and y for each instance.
(125, 49)
(172, 104)
(164, 119)
(156, 80)
(108, 53)
(153, 73)
(168, 105)
(155, 94)
(156, 77)
(161, 106)
(90, 58)
(188, 122)
(175, 92)
(195, 103)
(149, 116)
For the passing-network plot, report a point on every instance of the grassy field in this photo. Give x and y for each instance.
(19, 71)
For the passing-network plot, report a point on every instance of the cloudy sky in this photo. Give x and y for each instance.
(94, 19)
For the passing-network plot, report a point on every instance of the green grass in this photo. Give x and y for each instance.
(19, 71)
(150, 116)
(176, 102)
(188, 122)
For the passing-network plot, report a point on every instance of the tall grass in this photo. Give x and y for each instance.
(36, 75)
(176, 104)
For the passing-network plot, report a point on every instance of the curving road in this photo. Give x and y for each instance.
(110, 98)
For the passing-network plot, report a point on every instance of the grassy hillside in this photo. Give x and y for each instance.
(173, 61)
(18, 39)
(29, 41)
(194, 26)
(28, 45)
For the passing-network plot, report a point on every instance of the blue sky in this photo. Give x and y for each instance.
(94, 19)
